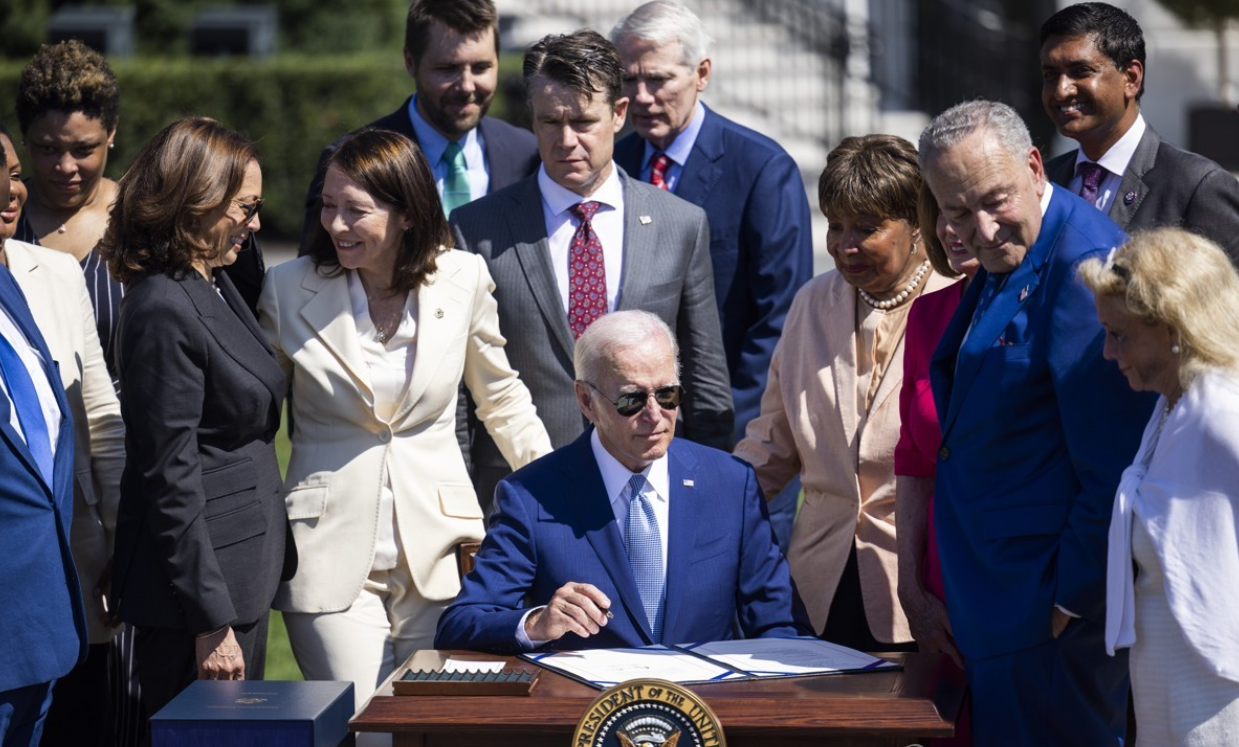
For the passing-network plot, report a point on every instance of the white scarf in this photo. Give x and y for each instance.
(1188, 499)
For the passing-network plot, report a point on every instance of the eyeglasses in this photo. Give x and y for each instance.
(251, 208)
(631, 403)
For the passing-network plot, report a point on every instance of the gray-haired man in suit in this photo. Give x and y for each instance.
(1092, 72)
(581, 238)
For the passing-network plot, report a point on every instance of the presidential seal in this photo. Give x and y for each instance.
(648, 713)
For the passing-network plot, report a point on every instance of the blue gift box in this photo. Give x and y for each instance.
(256, 713)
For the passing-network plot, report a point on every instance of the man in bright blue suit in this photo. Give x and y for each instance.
(1037, 429)
(44, 635)
(624, 537)
(761, 240)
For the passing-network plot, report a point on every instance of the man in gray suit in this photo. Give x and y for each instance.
(581, 238)
(1092, 71)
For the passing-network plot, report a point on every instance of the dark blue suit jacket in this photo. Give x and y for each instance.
(555, 524)
(1037, 428)
(761, 241)
(44, 634)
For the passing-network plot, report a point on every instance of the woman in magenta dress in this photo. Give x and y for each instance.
(920, 575)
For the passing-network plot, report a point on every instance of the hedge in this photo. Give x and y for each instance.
(292, 105)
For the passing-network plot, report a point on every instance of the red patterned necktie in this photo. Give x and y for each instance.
(587, 273)
(658, 172)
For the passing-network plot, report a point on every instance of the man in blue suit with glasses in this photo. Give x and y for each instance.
(1036, 430)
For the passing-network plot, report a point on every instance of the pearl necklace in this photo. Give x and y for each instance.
(891, 303)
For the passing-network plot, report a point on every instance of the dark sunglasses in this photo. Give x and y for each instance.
(631, 403)
(251, 208)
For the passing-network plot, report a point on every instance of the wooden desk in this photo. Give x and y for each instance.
(874, 709)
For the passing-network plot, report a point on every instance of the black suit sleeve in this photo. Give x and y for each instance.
(164, 353)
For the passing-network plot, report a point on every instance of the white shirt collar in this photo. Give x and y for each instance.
(1045, 197)
(433, 143)
(559, 198)
(1116, 159)
(682, 146)
(615, 476)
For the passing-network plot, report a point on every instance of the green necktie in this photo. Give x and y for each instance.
(456, 180)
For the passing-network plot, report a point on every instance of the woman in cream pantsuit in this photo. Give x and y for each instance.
(375, 330)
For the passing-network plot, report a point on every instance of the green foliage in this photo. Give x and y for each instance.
(291, 105)
(23, 26)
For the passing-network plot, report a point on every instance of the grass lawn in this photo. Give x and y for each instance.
(280, 662)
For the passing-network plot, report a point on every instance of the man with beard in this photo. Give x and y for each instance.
(451, 49)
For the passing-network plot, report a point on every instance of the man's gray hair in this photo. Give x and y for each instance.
(614, 332)
(952, 126)
(662, 22)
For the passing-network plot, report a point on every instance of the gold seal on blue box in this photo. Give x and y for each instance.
(648, 713)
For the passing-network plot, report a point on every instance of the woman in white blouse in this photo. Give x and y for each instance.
(375, 329)
(1169, 302)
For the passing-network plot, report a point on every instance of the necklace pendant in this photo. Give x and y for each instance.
(381, 337)
(63, 228)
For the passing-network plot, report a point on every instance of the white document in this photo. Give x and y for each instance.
(783, 657)
(457, 664)
(611, 666)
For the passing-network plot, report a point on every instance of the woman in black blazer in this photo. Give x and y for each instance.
(201, 535)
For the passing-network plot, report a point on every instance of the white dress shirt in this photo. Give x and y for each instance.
(615, 477)
(679, 150)
(30, 357)
(390, 367)
(608, 223)
(1114, 161)
(433, 143)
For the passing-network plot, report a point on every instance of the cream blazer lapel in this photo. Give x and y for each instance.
(442, 317)
(840, 338)
(328, 312)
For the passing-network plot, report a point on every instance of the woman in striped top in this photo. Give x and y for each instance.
(67, 109)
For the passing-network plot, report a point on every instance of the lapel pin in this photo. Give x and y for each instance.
(688, 483)
(438, 313)
(1023, 293)
(645, 220)
(1129, 198)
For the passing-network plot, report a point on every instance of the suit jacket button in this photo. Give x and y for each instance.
(944, 453)
(384, 437)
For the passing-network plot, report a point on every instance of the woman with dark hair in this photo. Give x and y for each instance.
(830, 411)
(201, 535)
(375, 329)
(68, 107)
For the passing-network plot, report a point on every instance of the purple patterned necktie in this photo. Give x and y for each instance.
(1090, 181)
(587, 273)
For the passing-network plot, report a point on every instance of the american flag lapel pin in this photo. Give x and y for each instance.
(688, 483)
(1023, 293)
(645, 220)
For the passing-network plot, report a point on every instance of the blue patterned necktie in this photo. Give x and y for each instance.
(456, 181)
(645, 555)
(26, 401)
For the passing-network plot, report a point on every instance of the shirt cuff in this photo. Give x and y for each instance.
(523, 638)
(1066, 611)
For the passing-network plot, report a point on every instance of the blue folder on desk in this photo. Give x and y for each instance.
(256, 713)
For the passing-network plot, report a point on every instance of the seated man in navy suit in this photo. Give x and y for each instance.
(624, 537)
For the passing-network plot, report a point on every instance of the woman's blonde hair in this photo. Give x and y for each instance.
(1173, 277)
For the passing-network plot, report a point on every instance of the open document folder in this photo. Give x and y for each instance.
(719, 661)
